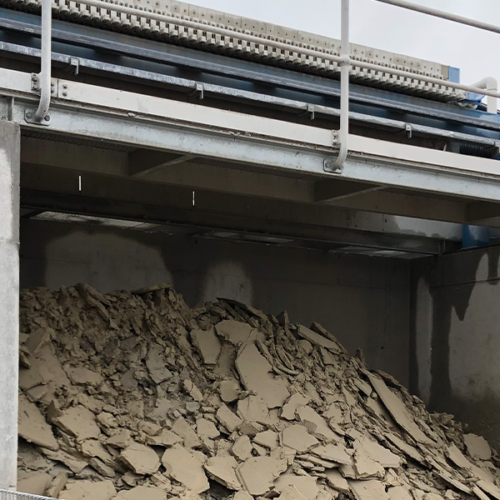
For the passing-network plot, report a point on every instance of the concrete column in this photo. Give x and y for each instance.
(9, 300)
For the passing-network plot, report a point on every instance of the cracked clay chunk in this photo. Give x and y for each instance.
(268, 439)
(295, 401)
(79, 422)
(291, 493)
(307, 414)
(206, 429)
(477, 446)
(222, 470)
(208, 345)
(88, 490)
(253, 409)
(228, 419)
(142, 493)
(156, 365)
(33, 427)
(257, 474)
(298, 438)
(306, 485)
(230, 390)
(378, 453)
(255, 373)
(333, 453)
(335, 479)
(399, 493)
(368, 490)
(317, 339)
(183, 429)
(185, 468)
(234, 331)
(83, 376)
(365, 467)
(242, 448)
(397, 409)
(140, 458)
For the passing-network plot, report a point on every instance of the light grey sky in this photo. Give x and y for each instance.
(475, 52)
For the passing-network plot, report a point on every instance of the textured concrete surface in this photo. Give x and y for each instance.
(9, 301)
(363, 301)
(455, 350)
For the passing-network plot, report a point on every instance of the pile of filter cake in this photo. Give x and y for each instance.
(135, 396)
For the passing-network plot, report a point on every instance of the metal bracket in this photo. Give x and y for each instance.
(408, 131)
(330, 165)
(73, 66)
(36, 84)
(198, 91)
(310, 111)
(29, 117)
(64, 91)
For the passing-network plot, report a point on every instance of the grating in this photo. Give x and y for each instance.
(15, 495)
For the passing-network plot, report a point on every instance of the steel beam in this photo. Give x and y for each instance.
(146, 162)
(203, 221)
(283, 148)
(329, 191)
(9, 300)
(480, 183)
(230, 178)
(175, 198)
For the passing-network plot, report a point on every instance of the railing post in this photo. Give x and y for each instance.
(45, 76)
(345, 66)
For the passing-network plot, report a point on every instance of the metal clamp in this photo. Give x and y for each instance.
(310, 111)
(29, 117)
(408, 131)
(73, 66)
(198, 91)
(330, 165)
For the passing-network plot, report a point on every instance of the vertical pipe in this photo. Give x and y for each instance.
(345, 66)
(45, 74)
(10, 163)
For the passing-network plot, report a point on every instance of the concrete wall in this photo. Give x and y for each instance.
(456, 337)
(362, 300)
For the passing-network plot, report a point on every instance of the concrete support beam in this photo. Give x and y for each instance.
(327, 191)
(9, 300)
(144, 162)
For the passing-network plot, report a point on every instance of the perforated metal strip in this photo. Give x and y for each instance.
(264, 52)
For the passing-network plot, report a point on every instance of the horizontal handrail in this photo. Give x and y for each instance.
(443, 15)
(132, 11)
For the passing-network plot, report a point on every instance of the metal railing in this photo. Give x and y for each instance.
(486, 86)
(15, 495)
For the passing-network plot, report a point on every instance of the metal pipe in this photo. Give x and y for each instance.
(344, 87)
(45, 75)
(100, 4)
(489, 83)
(443, 15)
